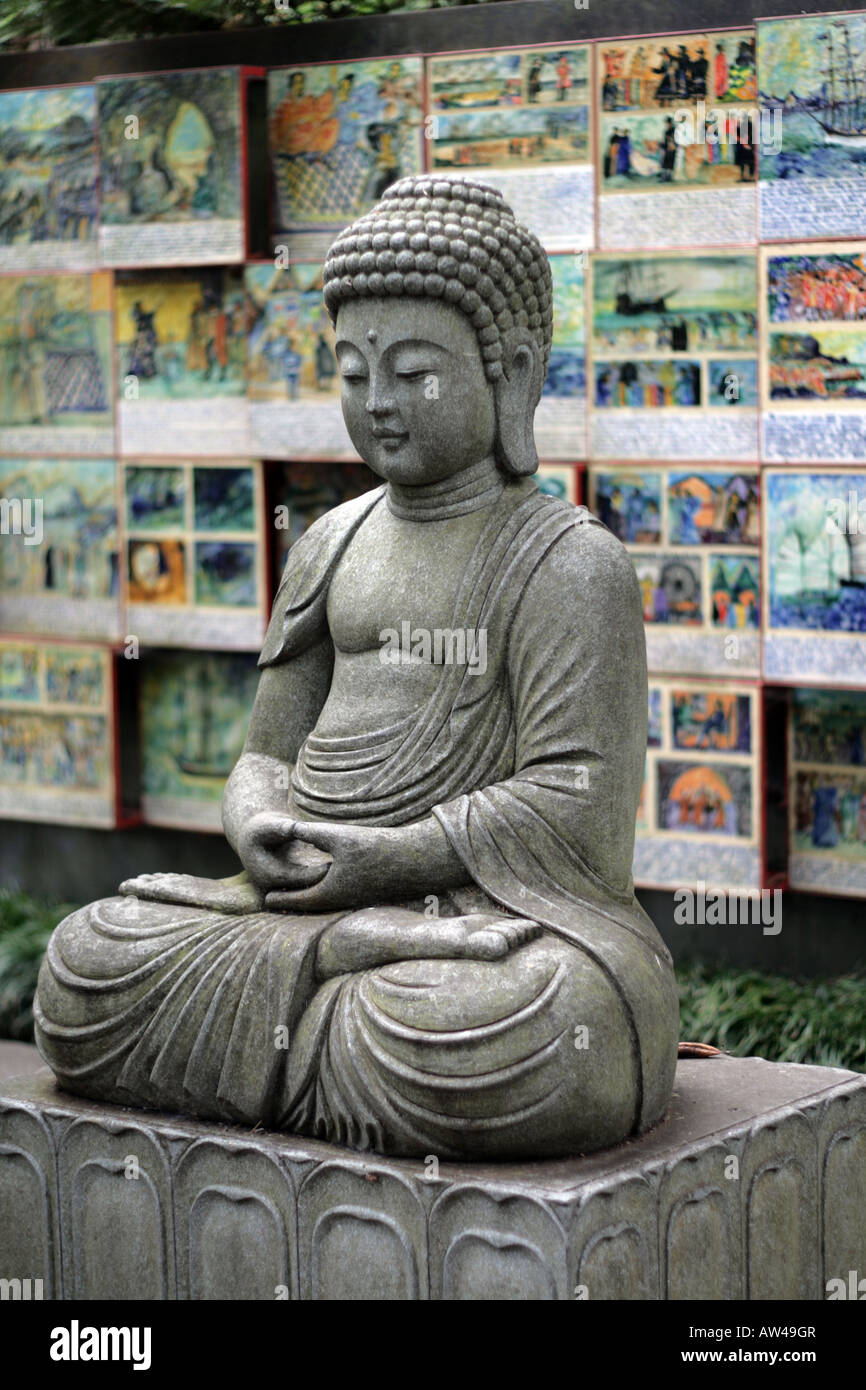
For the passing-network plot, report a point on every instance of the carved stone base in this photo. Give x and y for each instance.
(753, 1187)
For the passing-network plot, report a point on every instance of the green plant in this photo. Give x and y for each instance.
(57, 23)
(785, 1020)
(25, 926)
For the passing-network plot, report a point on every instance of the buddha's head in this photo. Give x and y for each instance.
(443, 311)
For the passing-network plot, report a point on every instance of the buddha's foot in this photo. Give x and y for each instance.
(377, 936)
(495, 938)
(231, 895)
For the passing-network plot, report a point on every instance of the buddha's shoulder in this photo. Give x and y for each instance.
(311, 555)
(586, 551)
(334, 524)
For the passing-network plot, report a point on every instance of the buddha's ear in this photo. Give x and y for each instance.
(517, 393)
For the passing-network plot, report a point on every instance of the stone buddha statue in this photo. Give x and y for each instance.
(434, 946)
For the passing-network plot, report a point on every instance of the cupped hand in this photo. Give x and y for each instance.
(360, 860)
(274, 858)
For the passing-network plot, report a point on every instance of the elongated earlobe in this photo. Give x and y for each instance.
(517, 394)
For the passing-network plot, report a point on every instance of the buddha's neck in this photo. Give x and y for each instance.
(467, 491)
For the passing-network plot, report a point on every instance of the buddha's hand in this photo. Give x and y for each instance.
(362, 866)
(274, 859)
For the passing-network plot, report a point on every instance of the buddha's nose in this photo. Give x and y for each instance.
(378, 402)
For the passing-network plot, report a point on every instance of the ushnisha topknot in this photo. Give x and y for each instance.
(447, 238)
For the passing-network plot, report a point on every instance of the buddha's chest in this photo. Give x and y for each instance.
(397, 571)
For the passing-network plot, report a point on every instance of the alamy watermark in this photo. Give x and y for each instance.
(713, 125)
(22, 516)
(755, 907)
(441, 646)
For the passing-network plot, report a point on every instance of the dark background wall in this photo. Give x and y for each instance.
(819, 935)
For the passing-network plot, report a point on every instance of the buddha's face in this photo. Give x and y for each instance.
(416, 400)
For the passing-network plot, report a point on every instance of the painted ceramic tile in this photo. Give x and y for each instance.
(510, 106)
(813, 363)
(700, 819)
(560, 420)
(194, 554)
(59, 557)
(693, 534)
(55, 364)
(678, 133)
(305, 491)
(674, 347)
(56, 733)
(815, 566)
(810, 72)
(170, 147)
(712, 721)
(558, 480)
(293, 382)
(180, 349)
(827, 799)
(48, 178)
(195, 708)
(510, 115)
(340, 134)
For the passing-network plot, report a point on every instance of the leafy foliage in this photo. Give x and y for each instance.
(52, 23)
(748, 1014)
(25, 926)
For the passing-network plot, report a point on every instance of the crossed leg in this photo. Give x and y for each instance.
(380, 935)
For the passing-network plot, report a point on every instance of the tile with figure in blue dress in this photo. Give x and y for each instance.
(629, 503)
(828, 773)
(708, 506)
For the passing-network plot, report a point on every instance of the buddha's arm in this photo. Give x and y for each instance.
(288, 702)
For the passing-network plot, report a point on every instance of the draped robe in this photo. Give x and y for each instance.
(532, 767)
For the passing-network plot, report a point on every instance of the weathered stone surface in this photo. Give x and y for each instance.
(434, 945)
(752, 1187)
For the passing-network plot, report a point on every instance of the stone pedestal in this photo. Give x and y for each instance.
(753, 1187)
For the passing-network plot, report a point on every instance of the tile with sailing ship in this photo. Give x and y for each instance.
(814, 550)
(827, 797)
(677, 138)
(57, 731)
(194, 553)
(812, 82)
(693, 535)
(673, 347)
(59, 570)
(48, 179)
(195, 708)
(813, 359)
(700, 807)
(519, 119)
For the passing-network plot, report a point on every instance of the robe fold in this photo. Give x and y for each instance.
(532, 766)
